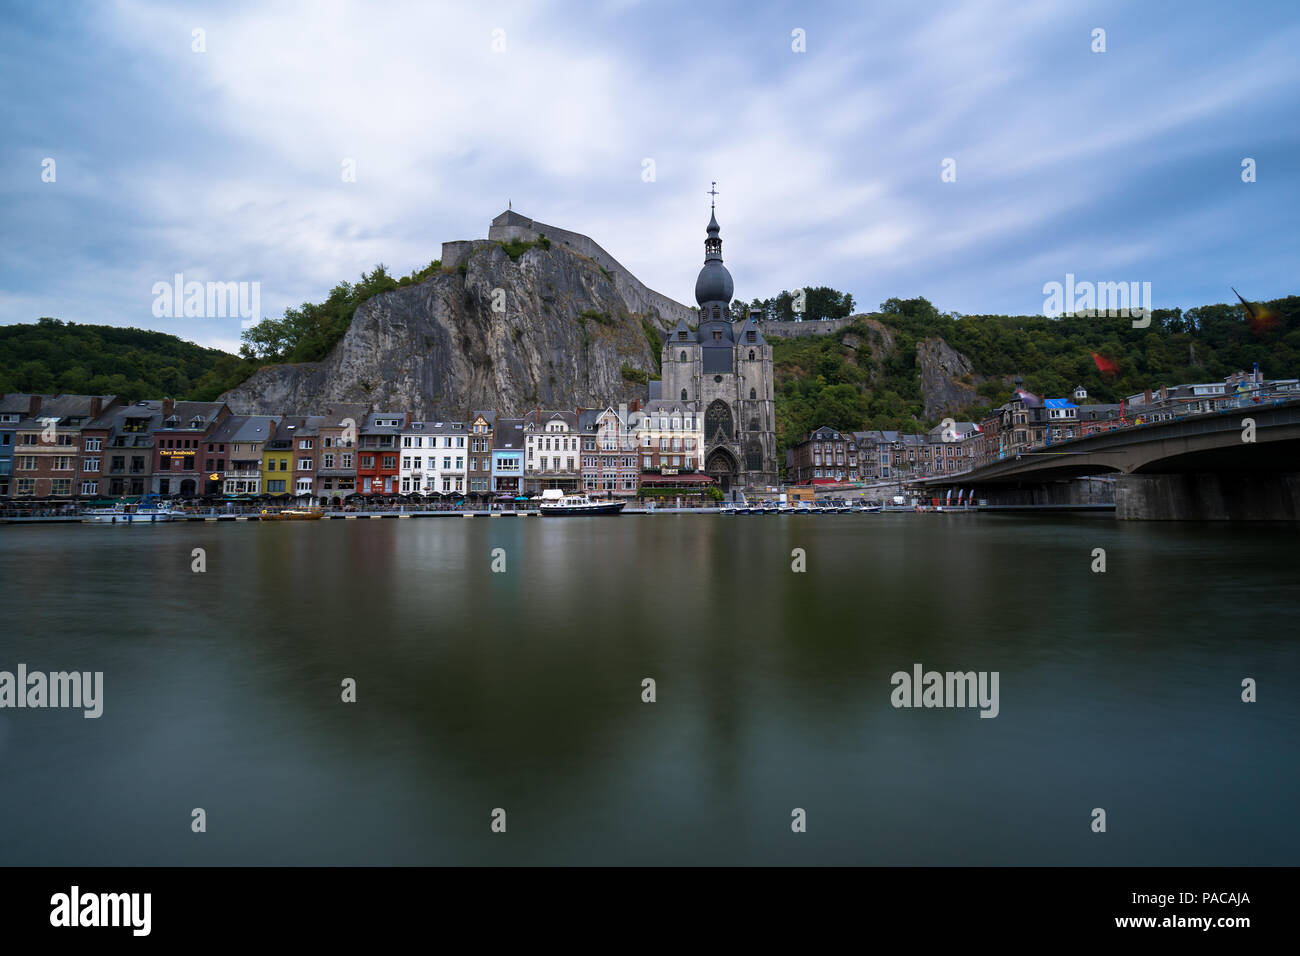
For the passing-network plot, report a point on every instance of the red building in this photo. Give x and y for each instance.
(379, 453)
(177, 462)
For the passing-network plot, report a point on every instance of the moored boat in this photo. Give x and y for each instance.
(572, 505)
(293, 514)
(145, 511)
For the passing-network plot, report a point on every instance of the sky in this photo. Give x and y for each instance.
(214, 141)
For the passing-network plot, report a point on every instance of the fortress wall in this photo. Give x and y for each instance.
(799, 330)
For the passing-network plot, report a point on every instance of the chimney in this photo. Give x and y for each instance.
(96, 405)
(1164, 394)
(33, 406)
(169, 406)
(1146, 397)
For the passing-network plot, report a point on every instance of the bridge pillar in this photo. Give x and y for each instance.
(1209, 496)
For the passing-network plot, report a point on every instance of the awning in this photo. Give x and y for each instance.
(676, 481)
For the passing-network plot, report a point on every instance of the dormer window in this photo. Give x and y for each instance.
(681, 336)
(717, 333)
(751, 336)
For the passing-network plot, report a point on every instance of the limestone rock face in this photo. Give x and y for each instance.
(440, 350)
(948, 381)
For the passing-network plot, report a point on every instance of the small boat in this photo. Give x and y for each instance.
(292, 514)
(144, 511)
(570, 505)
(869, 509)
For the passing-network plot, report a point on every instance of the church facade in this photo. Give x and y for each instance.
(724, 368)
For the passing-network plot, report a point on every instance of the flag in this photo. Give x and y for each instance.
(1104, 365)
(1259, 318)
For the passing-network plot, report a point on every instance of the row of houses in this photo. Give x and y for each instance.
(1025, 422)
(92, 447)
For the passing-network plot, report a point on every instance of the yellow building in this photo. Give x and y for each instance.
(277, 462)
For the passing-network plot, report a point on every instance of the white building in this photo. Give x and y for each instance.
(433, 458)
(552, 451)
(669, 437)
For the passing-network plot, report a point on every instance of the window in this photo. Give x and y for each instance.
(390, 462)
(273, 487)
(681, 337)
(347, 460)
(327, 460)
(683, 356)
(753, 393)
(90, 487)
(460, 463)
(90, 464)
(305, 464)
(27, 463)
(26, 486)
(367, 462)
(94, 444)
(751, 351)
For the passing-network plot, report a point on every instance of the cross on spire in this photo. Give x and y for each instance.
(714, 193)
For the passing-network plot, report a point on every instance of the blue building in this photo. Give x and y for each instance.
(508, 456)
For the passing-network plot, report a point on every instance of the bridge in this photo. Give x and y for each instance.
(1213, 466)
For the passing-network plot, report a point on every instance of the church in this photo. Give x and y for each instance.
(724, 369)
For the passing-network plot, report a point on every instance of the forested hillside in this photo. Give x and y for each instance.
(823, 381)
(54, 356)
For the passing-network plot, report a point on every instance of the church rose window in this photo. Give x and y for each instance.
(717, 422)
(718, 379)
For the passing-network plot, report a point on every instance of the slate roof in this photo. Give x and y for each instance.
(508, 435)
(62, 407)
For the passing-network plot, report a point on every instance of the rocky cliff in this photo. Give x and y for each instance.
(948, 380)
(550, 328)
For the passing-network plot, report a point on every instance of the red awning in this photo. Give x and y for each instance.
(676, 480)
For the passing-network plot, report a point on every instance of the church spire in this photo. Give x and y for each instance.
(713, 244)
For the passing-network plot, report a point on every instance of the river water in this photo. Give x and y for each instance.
(521, 690)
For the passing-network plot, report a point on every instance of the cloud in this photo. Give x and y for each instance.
(226, 165)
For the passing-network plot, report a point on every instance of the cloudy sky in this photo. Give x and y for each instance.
(226, 164)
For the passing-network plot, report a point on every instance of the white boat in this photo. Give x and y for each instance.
(143, 512)
(579, 505)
